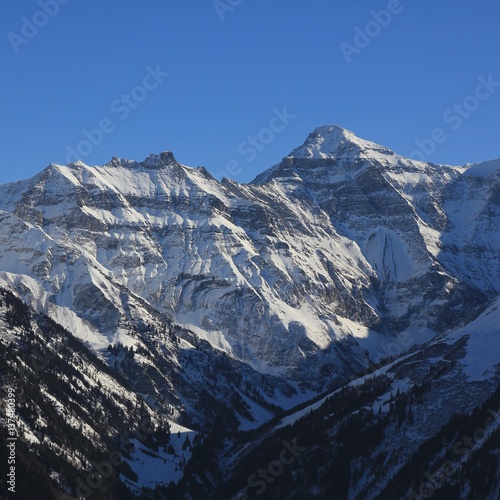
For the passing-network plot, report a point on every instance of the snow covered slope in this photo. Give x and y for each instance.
(207, 302)
(325, 257)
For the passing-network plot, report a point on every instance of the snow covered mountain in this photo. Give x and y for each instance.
(333, 251)
(217, 298)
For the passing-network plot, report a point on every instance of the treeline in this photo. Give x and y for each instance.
(74, 419)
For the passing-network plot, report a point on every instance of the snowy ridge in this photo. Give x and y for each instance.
(334, 142)
(214, 300)
(236, 262)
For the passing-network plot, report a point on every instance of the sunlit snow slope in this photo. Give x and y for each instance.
(305, 273)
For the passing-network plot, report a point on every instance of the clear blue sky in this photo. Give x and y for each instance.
(230, 68)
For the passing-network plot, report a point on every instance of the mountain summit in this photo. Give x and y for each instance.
(332, 141)
(335, 148)
(161, 290)
(305, 260)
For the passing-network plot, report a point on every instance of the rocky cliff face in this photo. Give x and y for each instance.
(214, 301)
(304, 272)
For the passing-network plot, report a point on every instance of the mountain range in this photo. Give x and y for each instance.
(346, 298)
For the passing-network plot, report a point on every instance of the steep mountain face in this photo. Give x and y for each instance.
(425, 425)
(70, 411)
(74, 409)
(391, 208)
(324, 256)
(197, 302)
(203, 252)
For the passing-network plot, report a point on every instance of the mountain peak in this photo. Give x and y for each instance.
(162, 160)
(332, 141)
(151, 162)
(326, 143)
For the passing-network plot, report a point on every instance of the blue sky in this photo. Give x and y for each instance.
(247, 80)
